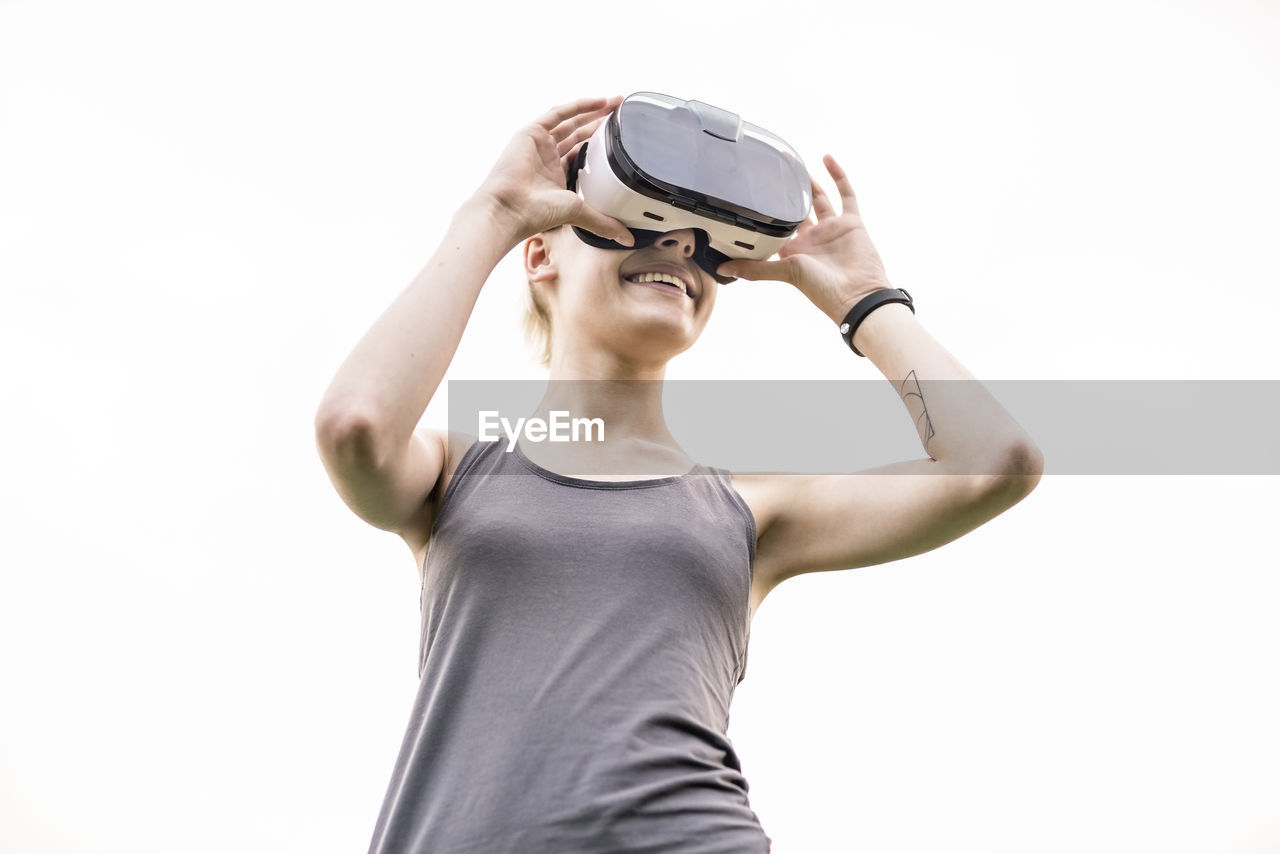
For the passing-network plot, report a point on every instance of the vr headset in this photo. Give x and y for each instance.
(659, 164)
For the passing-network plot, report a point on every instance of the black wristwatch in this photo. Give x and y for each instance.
(868, 304)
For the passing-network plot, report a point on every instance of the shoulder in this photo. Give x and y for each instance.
(453, 447)
(762, 494)
(456, 447)
(765, 496)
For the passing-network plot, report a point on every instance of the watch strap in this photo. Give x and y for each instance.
(866, 305)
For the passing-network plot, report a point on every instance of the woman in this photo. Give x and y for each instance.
(583, 630)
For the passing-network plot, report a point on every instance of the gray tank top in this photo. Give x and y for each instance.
(581, 643)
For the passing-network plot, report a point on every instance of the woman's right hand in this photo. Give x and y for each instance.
(526, 187)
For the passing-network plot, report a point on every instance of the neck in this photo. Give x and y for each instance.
(631, 409)
(622, 389)
(626, 397)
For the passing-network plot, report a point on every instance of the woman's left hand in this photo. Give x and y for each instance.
(830, 259)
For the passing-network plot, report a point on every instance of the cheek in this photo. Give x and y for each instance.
(590, 292)
(709, 297)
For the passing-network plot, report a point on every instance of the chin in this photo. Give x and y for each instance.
(652, 345)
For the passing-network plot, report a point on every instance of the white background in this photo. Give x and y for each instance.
(204, 206)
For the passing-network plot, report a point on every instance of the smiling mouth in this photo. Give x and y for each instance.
(664, 279)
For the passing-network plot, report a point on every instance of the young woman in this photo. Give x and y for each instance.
(583, 630)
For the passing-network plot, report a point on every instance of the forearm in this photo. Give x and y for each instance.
(959, 422)
(393, 372)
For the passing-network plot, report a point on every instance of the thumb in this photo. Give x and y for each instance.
(754, 271)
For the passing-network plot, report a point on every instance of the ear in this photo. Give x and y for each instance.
(539, 263)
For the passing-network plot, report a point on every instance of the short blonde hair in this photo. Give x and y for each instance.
(537, 319)
(537, 326)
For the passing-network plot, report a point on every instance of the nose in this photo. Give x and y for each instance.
(682, 241)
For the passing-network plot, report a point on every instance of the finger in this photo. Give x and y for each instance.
(553, 117)
(755, 271)
(822, 207)
(567, 161)
(572, 123)
(578, 136)
(595, 222)
(570, 126)
(848, 201)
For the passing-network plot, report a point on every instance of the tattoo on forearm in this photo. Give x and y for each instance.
(914, 398)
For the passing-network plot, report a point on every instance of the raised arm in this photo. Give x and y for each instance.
(366, 422)
(980, 461)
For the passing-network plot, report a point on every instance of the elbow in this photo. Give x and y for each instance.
(345, 433)
(1019, 470)
(1025, 459)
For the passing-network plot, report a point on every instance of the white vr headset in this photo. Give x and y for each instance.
(659, 164)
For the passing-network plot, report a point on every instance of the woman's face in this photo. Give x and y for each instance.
(617, 299)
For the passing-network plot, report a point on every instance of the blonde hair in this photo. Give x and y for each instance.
(537, 326)
(537, 319)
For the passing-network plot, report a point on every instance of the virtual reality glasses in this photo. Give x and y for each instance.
(659, 164)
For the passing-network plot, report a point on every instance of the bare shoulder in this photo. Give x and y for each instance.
(451, 445)
(762, 494)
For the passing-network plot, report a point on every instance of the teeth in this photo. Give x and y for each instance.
(660, 277)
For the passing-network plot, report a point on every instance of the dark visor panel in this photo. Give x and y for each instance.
(759, 173)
